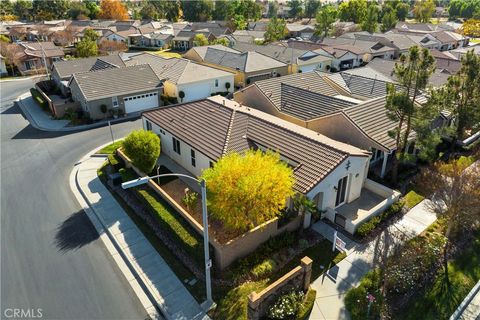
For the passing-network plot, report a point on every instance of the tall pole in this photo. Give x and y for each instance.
(208, 262)
(111, 132)
(44, 60)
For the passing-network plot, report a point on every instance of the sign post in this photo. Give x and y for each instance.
(338, 243)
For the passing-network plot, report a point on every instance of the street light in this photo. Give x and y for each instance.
(208, 263)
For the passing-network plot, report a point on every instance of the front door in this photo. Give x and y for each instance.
(341, 191)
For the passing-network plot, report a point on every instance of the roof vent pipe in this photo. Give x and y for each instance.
(223, 102)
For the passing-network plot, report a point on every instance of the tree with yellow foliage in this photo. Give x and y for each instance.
(246, 190)
(113, 9)
(471, 28)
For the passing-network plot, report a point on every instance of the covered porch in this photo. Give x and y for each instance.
(373, 200)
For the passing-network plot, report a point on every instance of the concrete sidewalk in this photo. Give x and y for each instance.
(361, 258)
(40, 120)
(146, 265)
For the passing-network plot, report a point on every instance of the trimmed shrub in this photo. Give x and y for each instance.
(39, 99)
(371, 224)
(143, 147)
(264, 268)
(127, 174)
(287, 306)
(307, 305)
(173, 224)
(115, 162)
(356, 298)
(368, 226)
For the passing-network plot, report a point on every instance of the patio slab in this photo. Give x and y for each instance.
(361, 207)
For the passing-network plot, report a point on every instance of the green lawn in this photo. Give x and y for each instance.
(439, 301)
(111, 148)
(412, 199)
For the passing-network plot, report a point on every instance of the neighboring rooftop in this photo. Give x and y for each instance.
(118, 81)
(303, 95)
(39, 49)
(372, 119)
(247, 61)
(279, 52)
(229, 127)
(66, 68)
(176, 70)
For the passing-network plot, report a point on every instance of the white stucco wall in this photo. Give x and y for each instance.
(184, 159)
(356, 173)
(199, 89)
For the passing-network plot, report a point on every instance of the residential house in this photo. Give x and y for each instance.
(460, 52)
(386, 67)
(315, 102)
(368, 48)
(289, 55)
(197, 134)
(62, 71)
(450, 40)
(154, 40)
(250, 36)
(122, 90)
(399, 42)
(31, 57)
(342, 56)
(303, 31)
(248, 66)
(184, 40)
(195, 80)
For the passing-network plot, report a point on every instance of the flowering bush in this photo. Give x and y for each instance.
(412, 263)
(287, 306)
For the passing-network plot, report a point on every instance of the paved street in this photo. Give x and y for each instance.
(51, 256)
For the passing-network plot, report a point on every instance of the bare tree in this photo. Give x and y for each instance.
(108, 46)
(454, 188)
(11, 53)
(64, 37)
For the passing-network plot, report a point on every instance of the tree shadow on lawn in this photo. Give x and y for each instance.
(75, 232)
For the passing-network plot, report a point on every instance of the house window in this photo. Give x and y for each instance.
(176, 145)
(341, 191)
(29, 65)
(192, 156)
(211, 164)
(149, 125)
(216, 82)
(115, 102)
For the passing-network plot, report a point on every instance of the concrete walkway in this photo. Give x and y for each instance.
(361, 258)
(146, 265)
(40, 120)
(470, 306)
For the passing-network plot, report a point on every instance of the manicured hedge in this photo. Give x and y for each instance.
(39, 99)
(371, 224)
(307, 305)
(115, 161)
(174, 225)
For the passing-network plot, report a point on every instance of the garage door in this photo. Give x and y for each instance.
(141, 102)
(197, 91)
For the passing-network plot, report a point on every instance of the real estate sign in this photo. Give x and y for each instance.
(338, 243)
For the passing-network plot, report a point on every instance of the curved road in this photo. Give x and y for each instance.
(51, 256)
